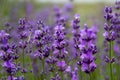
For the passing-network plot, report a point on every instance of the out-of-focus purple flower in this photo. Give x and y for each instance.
(117, 5)
(58, 13)
(11, 78)
(75, 74)
(61, 65)
(92, 66)
(117, 50)
(3, 37)
(8, 64)
(10, 67)
(51, 60)
(85, 68)
(2, 53)
(37, 34)
(68, 7)
(68, 69)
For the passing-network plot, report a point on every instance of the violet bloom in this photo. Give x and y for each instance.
(117, 5)
(7, 55)
(61, 65)
(59, 46)
(68, 69)
(88, 48)
(58, 13)
(109, 33)
(59, 43)
(42, 40)
(116, 22)
(4, 37)
(10, 67)
(76, 34)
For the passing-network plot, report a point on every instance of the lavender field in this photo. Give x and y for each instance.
(59, 40)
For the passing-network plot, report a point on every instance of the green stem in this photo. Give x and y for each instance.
(110, 54)
(23, 56)
(53, 73)
(119, 71)
(62, 76)
(80, 73)
(43, 68)
(90, 75)
(117, 68)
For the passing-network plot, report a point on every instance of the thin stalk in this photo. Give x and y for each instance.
(62, 76)
(90, 75)
(16, 65)
(43, 68)
(61, 73)
(117, 68)
(80, 73)
(23, 58)
(119, 71)
(110, 54)
(53, 73)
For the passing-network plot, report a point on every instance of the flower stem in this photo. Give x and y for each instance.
(90, 76)
(110, 54)
(23, 56)
(62, 76)
(43, 68)
(80, 73)
(23, 59)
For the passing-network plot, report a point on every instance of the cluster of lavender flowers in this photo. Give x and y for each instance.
(111, 35)
(43, 51)
(88, 49)
(8, 56)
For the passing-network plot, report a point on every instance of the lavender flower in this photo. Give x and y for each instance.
(59, 48)
(7, 55)
(110, 35)
(76, 34)
(59, 42)
(87, 42)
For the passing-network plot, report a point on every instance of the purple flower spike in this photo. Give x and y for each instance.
(88, 49)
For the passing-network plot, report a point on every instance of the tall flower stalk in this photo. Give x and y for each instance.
(76, 40)
(110, 36)
(23, 36)
(60, 51)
